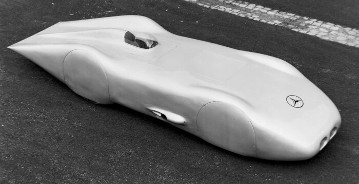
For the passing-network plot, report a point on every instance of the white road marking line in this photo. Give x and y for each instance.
(324, 30)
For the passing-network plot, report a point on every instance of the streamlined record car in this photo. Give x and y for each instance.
(248, 103)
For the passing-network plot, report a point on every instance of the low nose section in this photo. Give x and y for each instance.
(279, 148)
(49, 57)
(288, 147)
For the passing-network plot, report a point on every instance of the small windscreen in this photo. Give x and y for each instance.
(129, 37)
(139, 42)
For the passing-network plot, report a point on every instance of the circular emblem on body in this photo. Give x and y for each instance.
(295, 101)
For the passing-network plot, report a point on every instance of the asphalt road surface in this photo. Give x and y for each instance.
(48, 134)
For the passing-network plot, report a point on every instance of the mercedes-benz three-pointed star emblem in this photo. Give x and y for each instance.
(295, 101)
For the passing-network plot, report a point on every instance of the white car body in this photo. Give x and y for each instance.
(248, 103)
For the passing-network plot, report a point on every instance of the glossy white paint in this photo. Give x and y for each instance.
(234, 99)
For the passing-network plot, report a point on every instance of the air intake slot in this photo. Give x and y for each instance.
(168, 116)
(323, 143)
(333, 132)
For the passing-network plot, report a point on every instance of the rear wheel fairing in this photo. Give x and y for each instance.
(85, 76)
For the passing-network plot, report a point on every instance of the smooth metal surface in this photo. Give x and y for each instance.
(181, 76)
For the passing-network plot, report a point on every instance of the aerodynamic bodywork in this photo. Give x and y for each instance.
(248, 103)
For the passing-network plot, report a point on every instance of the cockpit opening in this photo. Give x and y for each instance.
(143, 43)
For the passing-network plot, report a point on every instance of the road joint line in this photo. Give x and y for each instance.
(305, 25)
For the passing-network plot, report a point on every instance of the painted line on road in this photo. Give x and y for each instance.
(324, 30)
